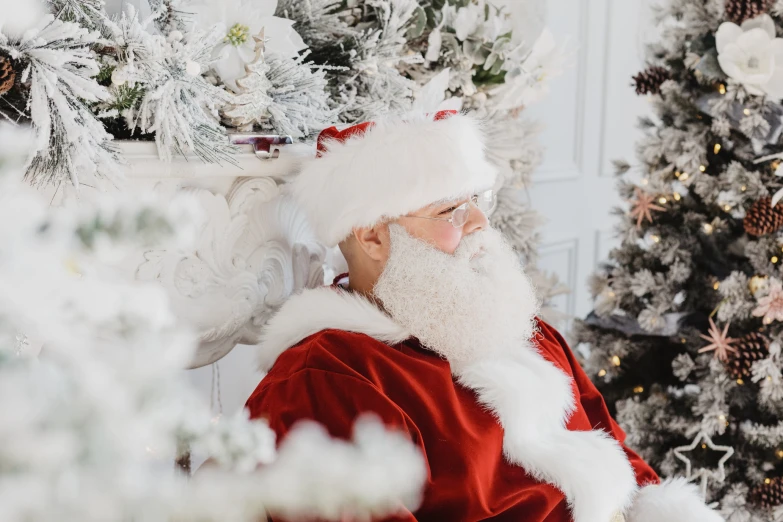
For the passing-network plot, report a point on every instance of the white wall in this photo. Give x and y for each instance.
(590, 119)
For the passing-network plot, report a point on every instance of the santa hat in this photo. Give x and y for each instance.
(385, 169)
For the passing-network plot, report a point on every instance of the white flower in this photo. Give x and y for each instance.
(242, 20)
(752, 55)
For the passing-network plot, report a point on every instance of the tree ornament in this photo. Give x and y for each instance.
(762, 218)
(7, 75)
(750, 55)
(643, 206)
(720, 343)
(740, 10)
(747, 350)
(771, 305)
(649, 81)
(767, 495)
(704, 474)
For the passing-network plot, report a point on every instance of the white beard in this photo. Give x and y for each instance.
(461, 308)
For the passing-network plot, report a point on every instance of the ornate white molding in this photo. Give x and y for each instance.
(254, 248)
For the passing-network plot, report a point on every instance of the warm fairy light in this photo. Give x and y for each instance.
(767, 481)
(676, 196)
(616, 360)
(638, 389)
(708, 228)
(740, 382)
(684, 176)
(775, 164)
(703, 446)
(656, 239)
(774, 259)
(722, 417)
(716, 285)
(662, 200)
(602, 373)
(780, 454)
(743, 188)
(722, 89)
(702, 168)
(683, 340)
(677, 174)
(716, 148)
(767, 320)
(746, 112)
(726, 207)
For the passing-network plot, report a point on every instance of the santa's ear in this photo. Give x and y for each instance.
(373, 241)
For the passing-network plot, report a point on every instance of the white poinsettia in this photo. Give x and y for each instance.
(242, 20)
(752, 55)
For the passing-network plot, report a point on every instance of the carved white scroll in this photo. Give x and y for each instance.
(254, 249)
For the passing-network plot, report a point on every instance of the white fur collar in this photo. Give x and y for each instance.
(531, 398)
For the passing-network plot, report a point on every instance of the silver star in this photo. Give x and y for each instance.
(703, 473)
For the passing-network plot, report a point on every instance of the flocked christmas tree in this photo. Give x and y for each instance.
(685, 338)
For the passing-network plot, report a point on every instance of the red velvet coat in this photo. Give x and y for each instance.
(332, 375)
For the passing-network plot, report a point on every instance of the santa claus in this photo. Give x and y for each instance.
(434, 329)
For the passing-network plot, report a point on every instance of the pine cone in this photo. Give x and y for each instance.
(649, 81)
(749, 349)
(767, 496)
(7, 75)
(762, 219)
(740, 10)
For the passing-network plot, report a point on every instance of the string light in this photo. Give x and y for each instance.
(767, 481)
(602, 373)
(740, 382)
(780, 454)
(638, 389)
(716, 148)
(677, 174)
(656, 239)
(722, 417)
(708, 228)
(774, 259)
(702, 168)
(726, 207)
(662, 200)
(775, 164)
(676, 196)
(722, 89)
(746, 112)
(616, 360)
(703, 446)
(716, 285)
(684, 176)
(767, 320)
(743, 188)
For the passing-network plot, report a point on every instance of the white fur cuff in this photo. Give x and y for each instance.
(674, 500)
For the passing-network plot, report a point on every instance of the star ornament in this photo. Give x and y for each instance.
(702, 473)
(642, 207)
(720, 343)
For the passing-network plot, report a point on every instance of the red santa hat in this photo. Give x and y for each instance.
(385, 169)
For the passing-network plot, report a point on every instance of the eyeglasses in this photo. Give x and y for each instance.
(485, 201)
